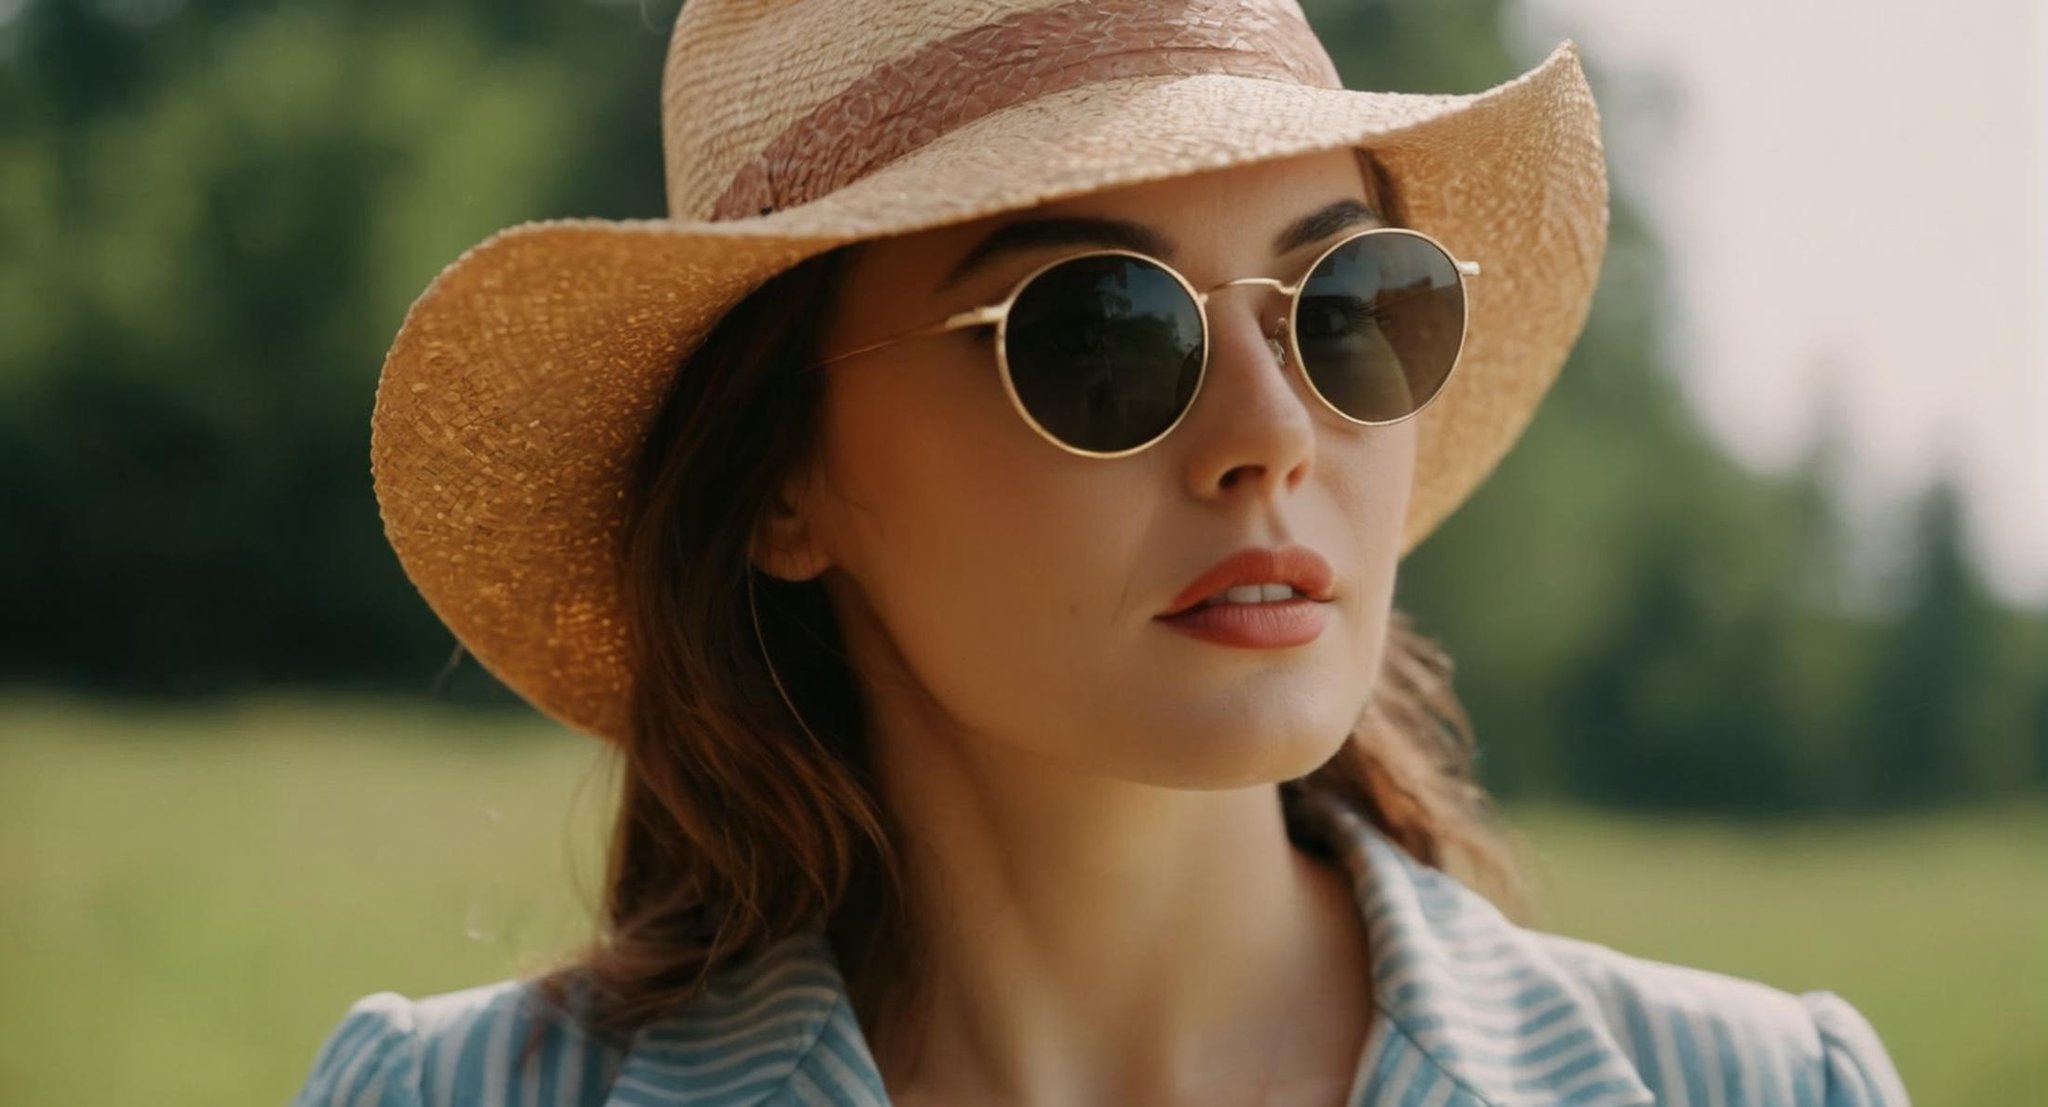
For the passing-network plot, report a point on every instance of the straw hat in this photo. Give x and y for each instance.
(522, 382)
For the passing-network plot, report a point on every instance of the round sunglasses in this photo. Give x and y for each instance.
(1103, 352)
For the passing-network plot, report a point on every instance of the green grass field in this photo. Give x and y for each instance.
(193, 896)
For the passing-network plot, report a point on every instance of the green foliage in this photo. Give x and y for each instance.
(213, 216)
(209, 250)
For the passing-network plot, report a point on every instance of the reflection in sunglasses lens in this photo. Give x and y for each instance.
(1379, 325)
(1104, 351)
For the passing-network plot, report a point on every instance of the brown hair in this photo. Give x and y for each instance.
(738, 826)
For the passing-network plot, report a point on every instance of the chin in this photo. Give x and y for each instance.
(1215, 755)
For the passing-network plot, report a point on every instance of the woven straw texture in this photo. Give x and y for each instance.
(520, 384)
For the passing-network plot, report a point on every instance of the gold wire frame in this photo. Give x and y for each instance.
(998, 314)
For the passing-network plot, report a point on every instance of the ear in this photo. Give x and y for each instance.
(785, 544)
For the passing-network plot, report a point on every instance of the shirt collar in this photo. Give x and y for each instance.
(1468, 1005)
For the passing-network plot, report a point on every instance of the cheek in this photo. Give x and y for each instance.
(935, 473)
(995, 561)
(1372, 478)
(1375, 486)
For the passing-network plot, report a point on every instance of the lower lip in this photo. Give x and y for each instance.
(1259, 626)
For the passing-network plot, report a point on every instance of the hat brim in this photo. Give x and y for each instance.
(520, 386)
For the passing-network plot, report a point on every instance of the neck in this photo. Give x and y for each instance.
(1092, 940)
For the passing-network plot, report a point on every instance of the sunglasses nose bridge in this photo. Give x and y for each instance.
(1275, 284)
(1270, 282)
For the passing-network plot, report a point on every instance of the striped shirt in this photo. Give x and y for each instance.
(1471, 1010)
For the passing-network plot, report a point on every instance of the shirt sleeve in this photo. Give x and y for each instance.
(372, 1059)
(1857, 1070)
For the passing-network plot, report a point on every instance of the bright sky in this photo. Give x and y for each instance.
(1853, 195)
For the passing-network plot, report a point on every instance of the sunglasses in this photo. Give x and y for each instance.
(1103, 353)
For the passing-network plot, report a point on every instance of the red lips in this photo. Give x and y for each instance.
(1296, 566)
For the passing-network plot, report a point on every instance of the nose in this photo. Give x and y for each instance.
(1251, 429)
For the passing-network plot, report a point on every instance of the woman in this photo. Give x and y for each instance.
(975, 520)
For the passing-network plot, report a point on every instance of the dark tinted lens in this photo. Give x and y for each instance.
(1379, 325)
(1105, 351)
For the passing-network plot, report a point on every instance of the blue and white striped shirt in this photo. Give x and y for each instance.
(1471, 1010)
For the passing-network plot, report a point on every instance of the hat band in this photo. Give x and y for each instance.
(912, 100)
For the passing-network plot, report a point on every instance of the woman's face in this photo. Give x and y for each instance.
(1012, 592)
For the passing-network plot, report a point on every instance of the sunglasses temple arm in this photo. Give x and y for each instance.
(1469, 268)
(975, 317)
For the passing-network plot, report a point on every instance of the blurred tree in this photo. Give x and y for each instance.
(1937, 714)
(211, 241)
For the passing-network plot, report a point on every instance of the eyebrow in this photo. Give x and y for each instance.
(1036, 234)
